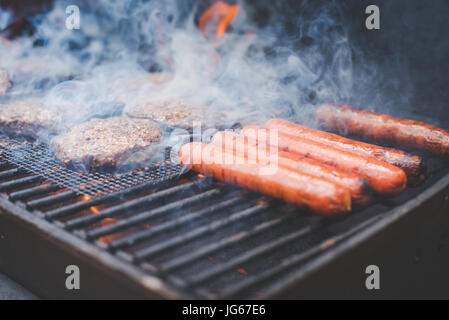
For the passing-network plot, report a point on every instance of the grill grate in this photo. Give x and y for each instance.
(203, 238)
(37, 159)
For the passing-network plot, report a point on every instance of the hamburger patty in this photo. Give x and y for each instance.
(5, 82)
(173, 113)
(104, 142)
(27, 118)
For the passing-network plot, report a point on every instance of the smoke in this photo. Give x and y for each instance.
(403, 68)
(253, 73)
(5, 18)
(278, 58)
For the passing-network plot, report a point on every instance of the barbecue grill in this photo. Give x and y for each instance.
(162, 232)
(179, 234)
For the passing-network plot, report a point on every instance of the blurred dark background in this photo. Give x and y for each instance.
(402, 69)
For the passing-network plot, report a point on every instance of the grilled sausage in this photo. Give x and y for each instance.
(359, 188)
(412, 165)
(319, 195)
(383, 128)
(384, 178)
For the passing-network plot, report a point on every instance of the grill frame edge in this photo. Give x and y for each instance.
(48, 250)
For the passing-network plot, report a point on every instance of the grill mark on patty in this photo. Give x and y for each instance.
(105, 142)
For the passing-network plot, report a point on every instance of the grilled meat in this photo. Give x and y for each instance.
(172, 113)
(105, 142)
(383, 128)
(359, 187)
(27, 118)
(304, 190)
(384, 178)
(5, 82)
(412, 165)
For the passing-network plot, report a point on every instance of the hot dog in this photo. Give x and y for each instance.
(359, 188)
(384, 178)
(412, 165)
(319, 195)
(383, 128)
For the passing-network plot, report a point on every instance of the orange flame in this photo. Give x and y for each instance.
(105, 221)
(220, 13)
(93, 209)
(96, 210)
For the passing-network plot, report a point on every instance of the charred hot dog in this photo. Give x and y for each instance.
(383, 128)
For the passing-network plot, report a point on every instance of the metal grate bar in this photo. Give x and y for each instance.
(291, 262)
(53, 199)
(92, 202)
(249, 255)
(116, 210)
(9, 173)
(220, 245)
(18, 183)
(34, 191)
(38, 159)
(148, 233)
(3, 164)
(272, 272)
(142, 217)
(161, 247)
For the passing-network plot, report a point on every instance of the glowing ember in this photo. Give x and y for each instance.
(218, 17)
(328, 243)
(242, 271)
(93, 209)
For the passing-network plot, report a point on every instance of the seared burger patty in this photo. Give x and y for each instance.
(172, 113)
(5, 82)
(27, 118)
(105, 142)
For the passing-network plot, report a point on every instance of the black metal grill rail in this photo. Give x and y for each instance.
(204, 238)
(37, 158)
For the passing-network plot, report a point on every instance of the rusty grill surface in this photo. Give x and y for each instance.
(203, 239)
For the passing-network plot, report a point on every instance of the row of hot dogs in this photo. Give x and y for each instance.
(324, 172)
